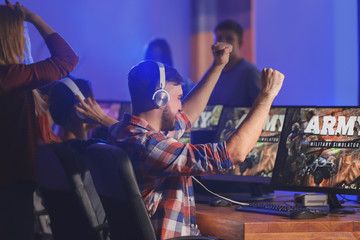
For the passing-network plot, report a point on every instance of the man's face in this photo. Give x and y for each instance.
(229, 36)
(172, 107)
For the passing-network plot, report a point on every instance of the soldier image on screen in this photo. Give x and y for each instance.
(310, 159)
(320, 169)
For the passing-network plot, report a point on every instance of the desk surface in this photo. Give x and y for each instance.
(228, 224)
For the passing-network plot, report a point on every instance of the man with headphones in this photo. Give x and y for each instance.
(164, 166)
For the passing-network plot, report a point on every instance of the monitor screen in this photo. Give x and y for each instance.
(203, 129)
(261, 159)
(319, 150)
(115, 109)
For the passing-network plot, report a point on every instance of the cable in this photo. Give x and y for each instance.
(217, 195)
(303, 194)
(349, 200)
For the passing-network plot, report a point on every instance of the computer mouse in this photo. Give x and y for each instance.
(218, 202)
(302, 214)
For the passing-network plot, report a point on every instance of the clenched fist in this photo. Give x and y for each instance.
(271, 81)
(221, 52)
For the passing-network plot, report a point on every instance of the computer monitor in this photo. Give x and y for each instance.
(256, 170)
(115, 109)
(204, 128)
(319, 152)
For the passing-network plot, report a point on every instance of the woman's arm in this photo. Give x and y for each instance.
(34, 19)
(93, 111)
(62, 61)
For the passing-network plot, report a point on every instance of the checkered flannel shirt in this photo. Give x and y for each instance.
(163, 167)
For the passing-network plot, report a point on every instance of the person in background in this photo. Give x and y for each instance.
(159, 50)
(18, 114)
(239, 82)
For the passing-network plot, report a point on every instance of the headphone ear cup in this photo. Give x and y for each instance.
(80, 115)
(160, 98)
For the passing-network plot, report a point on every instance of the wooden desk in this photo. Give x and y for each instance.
(228, 224)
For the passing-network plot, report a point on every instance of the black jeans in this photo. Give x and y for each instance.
(17, 211)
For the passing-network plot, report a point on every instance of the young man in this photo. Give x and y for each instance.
(164, 166)
(239, 82)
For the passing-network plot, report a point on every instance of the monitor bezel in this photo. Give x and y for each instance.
(329, 190)
(121, 111)
(238, 178)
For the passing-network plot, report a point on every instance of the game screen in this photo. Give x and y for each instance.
(319, 148)
(115, 109)
(207, 121)
(260, 161)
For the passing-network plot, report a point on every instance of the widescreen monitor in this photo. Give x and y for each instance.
(204, 128)
(115, 109)
(319, 151)
(257, 168)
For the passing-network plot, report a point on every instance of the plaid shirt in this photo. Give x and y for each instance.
(163, 168)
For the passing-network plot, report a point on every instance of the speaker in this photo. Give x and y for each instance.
(68, 82)
(161, 97)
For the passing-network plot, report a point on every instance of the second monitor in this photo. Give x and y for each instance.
(319, 152)
(255, 172)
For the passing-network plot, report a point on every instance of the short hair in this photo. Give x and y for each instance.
(159, 50)
(230, 25)
(144, 79)
(62, 100)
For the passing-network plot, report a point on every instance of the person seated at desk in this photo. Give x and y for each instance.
(163, 166)
(75, 129)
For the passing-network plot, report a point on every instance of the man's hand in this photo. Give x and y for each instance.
(195, 102)
(221, 52)
(271, 82)
(244, 138)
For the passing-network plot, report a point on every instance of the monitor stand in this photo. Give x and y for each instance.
(335, 205)
(255, 193)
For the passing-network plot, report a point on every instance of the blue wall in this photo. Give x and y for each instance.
(315, 44)
(109, 36)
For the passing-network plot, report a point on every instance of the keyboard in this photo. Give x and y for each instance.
(293, 212)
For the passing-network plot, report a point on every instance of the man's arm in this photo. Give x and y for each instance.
(197, 99)
(243, 139)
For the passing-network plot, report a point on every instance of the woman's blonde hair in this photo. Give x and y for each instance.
(13, 45)
(12, 40)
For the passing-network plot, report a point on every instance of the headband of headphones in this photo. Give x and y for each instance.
(161, 97)
(73, 87)
(76, 91)
(162, 74)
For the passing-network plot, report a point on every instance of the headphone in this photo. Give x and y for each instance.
(161, 97)
(68, 82)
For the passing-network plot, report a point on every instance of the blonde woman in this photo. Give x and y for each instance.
(17, 113)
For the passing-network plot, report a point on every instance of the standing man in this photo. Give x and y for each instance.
(239, 82)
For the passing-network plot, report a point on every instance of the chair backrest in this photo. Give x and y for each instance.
(117, 187)
(74, 207)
